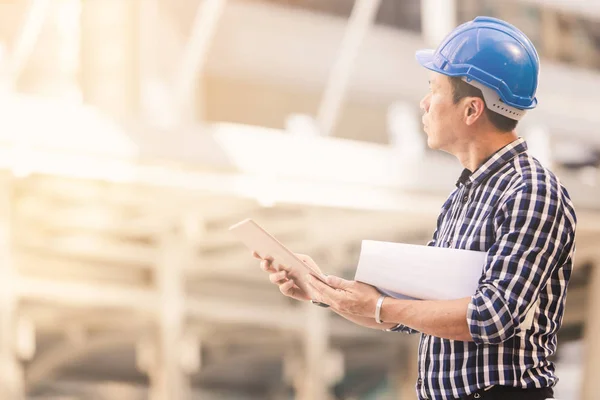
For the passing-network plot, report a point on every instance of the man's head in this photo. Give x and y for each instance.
(484, 78)
(455, 113)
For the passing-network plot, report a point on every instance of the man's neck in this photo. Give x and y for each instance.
(475, 153)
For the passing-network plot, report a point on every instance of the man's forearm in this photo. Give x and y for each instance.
(444, 318)
(366, 322)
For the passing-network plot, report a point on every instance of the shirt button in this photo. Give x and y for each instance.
(419, 381)
(465, 198)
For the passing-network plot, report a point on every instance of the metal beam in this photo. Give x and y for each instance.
(361, 19)
(242, 312)
(149, 30)
(89, 217)
(194, 58)
(48, 363)
(86, 247)
(438, 18)
(44, 266)
(86, 295)
(200, 310)
(380, 182)
(26, 42)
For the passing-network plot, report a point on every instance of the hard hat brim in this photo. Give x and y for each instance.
(425, 58)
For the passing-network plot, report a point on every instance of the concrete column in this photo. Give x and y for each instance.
(405, 372)
(189, 77)
(279, 393)
(539, 142)
(589, 390)
(11, 370)
(22, 58)
(552, 35)
(405, 131)
(361, 19)
(109, 55)
(314, 372)
(316, 344)
(438, 18)
(167, 374)
(149, 51)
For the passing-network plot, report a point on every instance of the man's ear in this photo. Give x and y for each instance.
(475, 107)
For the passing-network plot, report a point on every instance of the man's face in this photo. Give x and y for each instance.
(441, 117)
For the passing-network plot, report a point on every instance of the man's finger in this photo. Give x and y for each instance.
(337, 282)
(314, 293)
(324, 293)
(267, 265)
(287, 288)
(282, 267)
(278, 277)
(322, 286)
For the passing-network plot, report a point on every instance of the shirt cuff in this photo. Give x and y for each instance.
(403, 329)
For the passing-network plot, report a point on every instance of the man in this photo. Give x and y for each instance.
(496, 343)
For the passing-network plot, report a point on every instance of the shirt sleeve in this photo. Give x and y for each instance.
(530, 229)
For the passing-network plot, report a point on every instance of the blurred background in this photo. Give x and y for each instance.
(133, 133)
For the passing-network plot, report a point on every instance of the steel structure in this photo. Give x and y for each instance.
(119, 278)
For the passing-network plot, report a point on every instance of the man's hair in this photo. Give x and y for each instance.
(461, 89)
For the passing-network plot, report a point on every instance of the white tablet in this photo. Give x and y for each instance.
(265, 245)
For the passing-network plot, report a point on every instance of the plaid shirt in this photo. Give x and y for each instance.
(518, 212)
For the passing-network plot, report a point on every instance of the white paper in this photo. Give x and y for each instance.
(420, 272)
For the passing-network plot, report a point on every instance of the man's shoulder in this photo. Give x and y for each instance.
(541, 184)
(532, 176)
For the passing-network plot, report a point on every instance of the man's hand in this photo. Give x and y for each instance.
(346, 297)
(280, 278)
(290, 289)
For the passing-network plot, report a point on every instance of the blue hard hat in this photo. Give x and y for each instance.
(494, 54)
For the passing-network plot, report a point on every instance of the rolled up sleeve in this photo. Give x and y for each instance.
(529, 228)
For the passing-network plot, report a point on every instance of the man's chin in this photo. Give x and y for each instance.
(431, 143)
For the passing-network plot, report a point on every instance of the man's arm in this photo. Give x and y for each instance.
(533, 238)
(356, 299)
(365, 321)
(443, 318)
(519, 264)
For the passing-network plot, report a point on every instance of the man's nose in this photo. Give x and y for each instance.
(424, 104)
